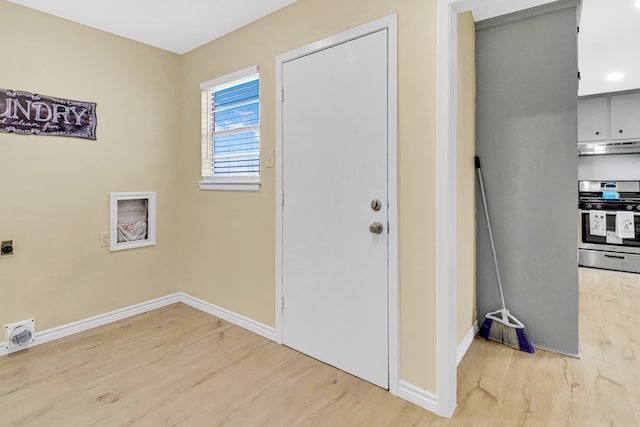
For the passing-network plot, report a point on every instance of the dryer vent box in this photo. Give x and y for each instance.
(20, 335)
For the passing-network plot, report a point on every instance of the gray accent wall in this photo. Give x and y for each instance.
(526, 137)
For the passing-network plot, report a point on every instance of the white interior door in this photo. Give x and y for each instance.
(335, 270)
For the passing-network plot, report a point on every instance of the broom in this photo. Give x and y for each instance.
(500, 325)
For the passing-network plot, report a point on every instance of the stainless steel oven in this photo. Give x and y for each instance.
(610, 251)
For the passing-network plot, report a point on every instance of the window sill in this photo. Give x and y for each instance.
(236, 183)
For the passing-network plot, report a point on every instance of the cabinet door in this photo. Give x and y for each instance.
(592, 119)
(625, 116)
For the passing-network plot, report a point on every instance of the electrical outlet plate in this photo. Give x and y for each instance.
(104, 238)
(29, 324)
(6, 248)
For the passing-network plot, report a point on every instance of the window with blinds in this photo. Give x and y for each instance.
(231, 131)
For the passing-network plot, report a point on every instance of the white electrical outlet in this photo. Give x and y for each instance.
(104, 238)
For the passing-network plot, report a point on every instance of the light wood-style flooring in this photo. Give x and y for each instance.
(178, 366)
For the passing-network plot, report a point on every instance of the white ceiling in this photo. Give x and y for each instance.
(176, 26)
(608, 42)
(609, 29)
(493, 8)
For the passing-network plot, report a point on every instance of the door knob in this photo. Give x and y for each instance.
(376, 227)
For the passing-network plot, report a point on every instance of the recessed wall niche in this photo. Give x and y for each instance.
(133, 220)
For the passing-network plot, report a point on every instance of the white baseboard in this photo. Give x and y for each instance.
(418, 396)
(123, 313)
(466, 343)
(229, 316)
(424, 398)
(406, 390)
(95, 321)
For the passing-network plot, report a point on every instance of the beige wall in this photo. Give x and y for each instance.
(54, 193)
(466, 227)
(229, 238)
(218, 246)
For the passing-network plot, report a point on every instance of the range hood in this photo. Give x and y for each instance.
(597, 148)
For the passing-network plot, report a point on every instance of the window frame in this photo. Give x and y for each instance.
(225, 183)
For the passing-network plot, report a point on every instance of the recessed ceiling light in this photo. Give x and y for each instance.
(612, 77)
(638, 3)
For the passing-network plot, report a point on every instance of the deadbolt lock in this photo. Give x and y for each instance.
(376, 205)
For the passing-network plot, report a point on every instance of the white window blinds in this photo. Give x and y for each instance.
(231, 126)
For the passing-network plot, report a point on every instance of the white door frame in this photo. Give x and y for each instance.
(446, 206)
(446, 185)
(390, 24)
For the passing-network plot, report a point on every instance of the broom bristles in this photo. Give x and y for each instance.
(507, 335)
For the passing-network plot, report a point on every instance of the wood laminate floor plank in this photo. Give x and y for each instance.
(181, 367)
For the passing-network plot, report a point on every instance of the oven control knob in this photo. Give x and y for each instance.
(589, 206)
(629, 207)
(638, 207)
(598, 206)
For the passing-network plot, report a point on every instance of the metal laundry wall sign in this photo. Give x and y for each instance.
(27, 113)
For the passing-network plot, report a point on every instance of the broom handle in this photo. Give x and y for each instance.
(486, 215)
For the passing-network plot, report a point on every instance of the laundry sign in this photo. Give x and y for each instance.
(27, 113)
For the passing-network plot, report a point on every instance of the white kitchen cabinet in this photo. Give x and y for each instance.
(593, 114)
(625, 116)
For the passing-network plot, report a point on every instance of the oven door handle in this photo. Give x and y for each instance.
(613, 256)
